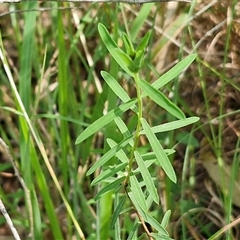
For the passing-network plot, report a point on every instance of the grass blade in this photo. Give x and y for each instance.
(140, 19)
(40, 178)
(64, 98)
(118, 211)
(133, 231)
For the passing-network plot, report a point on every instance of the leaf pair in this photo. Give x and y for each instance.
(132, 60)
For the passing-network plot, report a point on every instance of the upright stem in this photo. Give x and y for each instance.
(138, 128)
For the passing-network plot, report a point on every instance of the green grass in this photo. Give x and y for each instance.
(89, 123)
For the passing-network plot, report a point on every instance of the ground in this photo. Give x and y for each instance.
(209, 89)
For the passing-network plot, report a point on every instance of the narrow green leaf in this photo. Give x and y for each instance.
(154, 223)
(137, 192)
(147, 163)
(117, 211)
(149, 199)
(148, 156)
(169, 151)
(5, 166)
(111, 186)
(144, 42)
(108, 173)
(13, 110)
(67, 119)
(151, 155)
(148, 218)
(128, 45)
(173, 125)
(133, 231)
(138, 61)
(161, 100)
(115, 86)
(140, 19)
(174, 71)
(108, 155)
(161, 156)
(123, 128)
(157, 236)
(111, 47)
(120, 154)
(104, 120)
(147, 178)
(124, 59)
(166, 218)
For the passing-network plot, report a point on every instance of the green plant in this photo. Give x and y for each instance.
(128, 177)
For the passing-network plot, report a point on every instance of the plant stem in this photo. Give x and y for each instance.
(138, 128)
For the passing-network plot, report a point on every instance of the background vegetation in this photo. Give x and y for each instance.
(54, 90)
